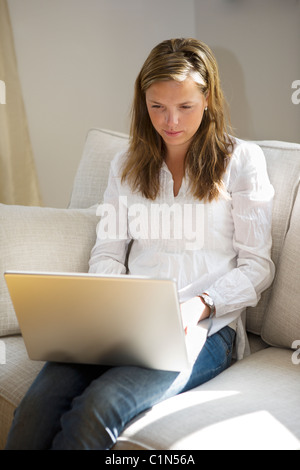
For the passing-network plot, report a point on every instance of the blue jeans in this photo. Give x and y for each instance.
(71, 406)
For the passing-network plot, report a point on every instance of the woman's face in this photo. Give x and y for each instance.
(176, 111)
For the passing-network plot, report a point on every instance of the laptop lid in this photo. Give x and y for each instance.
(112, 320)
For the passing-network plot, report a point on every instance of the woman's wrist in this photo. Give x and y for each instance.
(206, 310)
(208, 301)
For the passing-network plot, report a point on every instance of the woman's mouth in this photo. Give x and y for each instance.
(172, 133)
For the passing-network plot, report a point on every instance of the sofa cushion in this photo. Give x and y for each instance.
(16, 376)
(236, 410)
(281, 325)
(92, 174)
(41, 239)
(283, 162)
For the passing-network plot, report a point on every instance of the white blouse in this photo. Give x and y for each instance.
(222, 248)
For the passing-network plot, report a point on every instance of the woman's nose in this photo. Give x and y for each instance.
(172, 117)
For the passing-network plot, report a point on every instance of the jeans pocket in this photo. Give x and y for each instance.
(227, 336)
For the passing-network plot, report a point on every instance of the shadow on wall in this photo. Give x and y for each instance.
(234, 87)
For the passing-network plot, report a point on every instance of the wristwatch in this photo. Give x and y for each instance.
(209, 302)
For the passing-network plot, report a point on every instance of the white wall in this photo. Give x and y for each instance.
(78, 60)
(257, 45)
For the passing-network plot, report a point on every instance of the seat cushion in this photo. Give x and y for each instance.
(253, 405)
(236, 410)
(16, 376)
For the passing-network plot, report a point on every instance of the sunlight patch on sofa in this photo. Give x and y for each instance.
(177, 404)
(254, 431)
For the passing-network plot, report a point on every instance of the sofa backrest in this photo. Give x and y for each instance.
(281, 323)
(92, 174)
(283, 161)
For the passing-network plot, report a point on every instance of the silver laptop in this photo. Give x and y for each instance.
(112, 320)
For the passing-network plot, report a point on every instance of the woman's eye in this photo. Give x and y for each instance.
(160, 107)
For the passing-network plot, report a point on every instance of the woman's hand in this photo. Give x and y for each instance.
(193, 311)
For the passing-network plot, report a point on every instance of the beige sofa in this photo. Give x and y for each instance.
(253, 405)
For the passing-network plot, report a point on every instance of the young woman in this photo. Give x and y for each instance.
(181, 154)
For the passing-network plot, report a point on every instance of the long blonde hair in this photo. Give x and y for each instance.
(211, 146)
